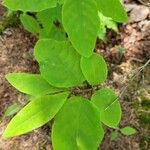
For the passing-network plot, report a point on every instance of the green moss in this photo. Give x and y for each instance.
(145, 118)
(146, 104)
(145, 143)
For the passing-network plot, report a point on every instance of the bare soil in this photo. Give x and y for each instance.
(125, 52)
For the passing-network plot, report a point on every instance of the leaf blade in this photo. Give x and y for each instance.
(94, 69)
(82, 34)
(35, 114)
(115, 10)
(26, 83)
(11, 110)
(128, 130)
(29, 23)
(109, 107)
(59, 63)
(83, 129)
(29, 5)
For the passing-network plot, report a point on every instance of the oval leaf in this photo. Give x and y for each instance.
(77, 126)
(35, 114)
(80, 20)
(59, 63)
(11, 110)
(29, 5)
(29, 23)
(128, 131)
(94, 69)
(31, 84)
(109, 107)
(113, 9)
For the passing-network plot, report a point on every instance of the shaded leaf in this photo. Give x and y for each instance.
(11, 110)
(114, 135)
(80, 20)
(94, 69)
(109, 107)
(30, 23)
(55, 33)
(48, 17)
(77, 126)
(35, 114)
(59, 63)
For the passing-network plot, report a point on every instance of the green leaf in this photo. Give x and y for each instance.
(80, 20)
(113, 9)
(11, 110)
(60, 1)
(59, 63)
(31, 84)
(94, 69)
(56, 33)
(49, 16)
(102, 32)
(128, 131)
(109, 107)
(77, 126)
(29, 5)
(35, 114)
(114, 135)
(105, 22)
(30, 23)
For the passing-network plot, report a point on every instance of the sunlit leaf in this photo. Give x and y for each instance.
(77, 126)
(109, 107)
(128, 131)
(80, 20)
(35, 114)
(94, 69)
(32, 84)
(29, 5)
(59, 63)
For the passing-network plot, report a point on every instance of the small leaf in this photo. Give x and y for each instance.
(94, 69)
(80, 20)
(102, 32)
(77, 126)
(109, 107)
(11, 110)
(59, 63)
(32, 84)
(114, 135)
(108, 22)
(128, 131)
(35, 114)
(30, 23)
(29, 5)
(105, 22)
(113, 9)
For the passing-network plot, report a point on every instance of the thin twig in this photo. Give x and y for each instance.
(131, 79)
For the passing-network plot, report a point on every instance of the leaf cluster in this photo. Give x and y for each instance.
(67, 31)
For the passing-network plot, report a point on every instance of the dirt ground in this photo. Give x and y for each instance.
(125, 53)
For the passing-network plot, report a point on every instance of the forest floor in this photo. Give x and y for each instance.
(125, 53)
